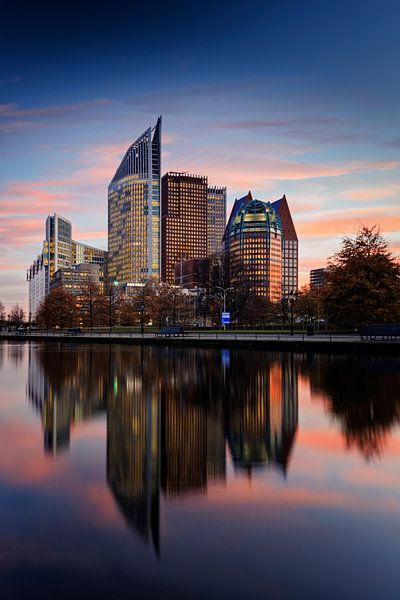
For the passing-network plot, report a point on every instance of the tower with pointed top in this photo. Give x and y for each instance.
(290, 248)
(134, 212)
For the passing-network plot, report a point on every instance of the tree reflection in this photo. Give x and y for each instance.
(362, 393)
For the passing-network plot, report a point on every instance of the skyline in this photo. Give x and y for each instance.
(296, 100)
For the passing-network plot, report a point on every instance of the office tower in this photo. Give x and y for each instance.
(134, 211)
(37, 277)
(57, 247)
(290, 248)
(318, 277)
(184, 221)
(253, 243)
(216, 218)
(59, 251)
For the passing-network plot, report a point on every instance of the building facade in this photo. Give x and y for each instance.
(57, 247)
(82, 253)
(193, 273)
(318, 277)
(253, 243)
(75, 277)
(38, 278)
(184, 221)
(216, 218)
(59, 251)
(134, 211)
(290, 249)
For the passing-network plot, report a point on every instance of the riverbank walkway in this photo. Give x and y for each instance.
(222, 339)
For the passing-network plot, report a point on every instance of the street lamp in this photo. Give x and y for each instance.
(224, 290)
(292, 297)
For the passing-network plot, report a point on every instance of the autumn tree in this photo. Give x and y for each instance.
(363, 284)
(136, 308)
(168, 305)
(16, 316)
(58, 310)
(91, 304)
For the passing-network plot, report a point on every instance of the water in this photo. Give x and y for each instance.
(167, 473)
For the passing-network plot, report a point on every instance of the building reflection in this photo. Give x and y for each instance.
(133, 445)
(65, 387)
(262, 414)
(171, 415)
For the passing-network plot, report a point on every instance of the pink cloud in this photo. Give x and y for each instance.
(334, 227)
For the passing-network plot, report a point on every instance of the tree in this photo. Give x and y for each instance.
(2, 314)
(58, 310)
(306, 306)
(16, 316)
(363, 284)
(91, 304)
(169, 304)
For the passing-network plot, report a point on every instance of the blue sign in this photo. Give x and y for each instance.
(225, 318)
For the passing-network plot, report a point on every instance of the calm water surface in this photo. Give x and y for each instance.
(160, 473)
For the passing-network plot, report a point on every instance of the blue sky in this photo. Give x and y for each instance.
(295, 97)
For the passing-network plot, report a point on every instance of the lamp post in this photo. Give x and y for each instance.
(224, 290)
(292, 297)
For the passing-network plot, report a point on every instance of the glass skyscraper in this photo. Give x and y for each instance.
(134, 211)
(253, 243)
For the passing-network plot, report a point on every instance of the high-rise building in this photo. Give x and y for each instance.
(57, 247)
(184, 221)
(134, 211)
(37, 277)
(253, 243)
(318, 277)
(290, 249)
(59, 251)
(216, 218)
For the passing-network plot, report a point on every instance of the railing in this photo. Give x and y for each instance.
(197, 335)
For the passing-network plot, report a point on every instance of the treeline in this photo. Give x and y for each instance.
(15, 318)
(362, 287)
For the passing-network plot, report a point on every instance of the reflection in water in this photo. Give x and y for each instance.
(362, 393)
(170, 412)
(65, 387)
(262, 414)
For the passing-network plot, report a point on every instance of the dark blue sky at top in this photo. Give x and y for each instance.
(69, 50)
(278, 96)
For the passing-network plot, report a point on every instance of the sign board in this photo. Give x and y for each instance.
(225, 318)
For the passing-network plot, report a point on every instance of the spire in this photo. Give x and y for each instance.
(138, 159)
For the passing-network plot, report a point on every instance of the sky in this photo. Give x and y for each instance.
(295, 97)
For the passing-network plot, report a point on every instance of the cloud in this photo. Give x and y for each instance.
(11, 110)
(334, 227)
(371, 193)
